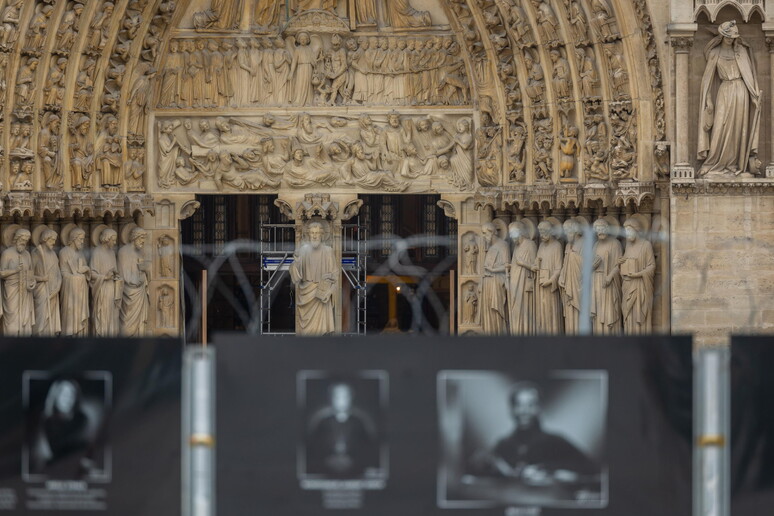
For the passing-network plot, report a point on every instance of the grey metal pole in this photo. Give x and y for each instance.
(199, 433)
(711, 428)
(587, 270)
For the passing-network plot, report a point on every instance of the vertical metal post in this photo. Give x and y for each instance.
(198, 432)
(584, 325)
(711, 429)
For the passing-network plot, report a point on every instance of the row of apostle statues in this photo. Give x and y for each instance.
(48, 293)
(537, 289)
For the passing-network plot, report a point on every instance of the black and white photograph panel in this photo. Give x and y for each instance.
(65, 426)
(343, 425)
(518, 441)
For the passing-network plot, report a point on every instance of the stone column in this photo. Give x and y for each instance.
(682, 43)
(770, 46)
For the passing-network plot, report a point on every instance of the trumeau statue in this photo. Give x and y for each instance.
(521, 288)
(74, 295)
(106, 283)
(606, 282)
(548, 301)
(638, 267)
(729, 123)
(494, 283)
(133, 269)
(313, 272)
(45, 266)
(18, 284)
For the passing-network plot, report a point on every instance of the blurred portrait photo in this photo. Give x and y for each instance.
(342, 425)
(510, 441)
(65, 426)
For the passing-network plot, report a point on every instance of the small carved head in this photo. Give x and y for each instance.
(20, 238)
(137, 237)
(48, 238)
(108, 238)
(601, 228)
(546, 230)
(315, 232)
(77, 238)
(632, 229)
(488, 230)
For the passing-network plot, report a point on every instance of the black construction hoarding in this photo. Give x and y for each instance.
(435, 425)
(90, 426)
(752, 426)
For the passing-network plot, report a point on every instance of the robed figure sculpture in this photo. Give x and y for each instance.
(313, 272)
(729, 120)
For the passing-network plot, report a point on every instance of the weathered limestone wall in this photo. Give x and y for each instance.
(723, 263)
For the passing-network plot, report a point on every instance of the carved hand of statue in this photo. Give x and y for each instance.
(83, 270)
(621, 261)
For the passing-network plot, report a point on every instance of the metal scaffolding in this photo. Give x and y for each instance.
(278, 242)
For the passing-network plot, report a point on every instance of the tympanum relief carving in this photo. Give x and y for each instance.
(308, 69)
(389, 152)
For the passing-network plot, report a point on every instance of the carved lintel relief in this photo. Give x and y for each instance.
(388, 152)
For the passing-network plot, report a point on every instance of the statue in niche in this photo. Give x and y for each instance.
(603, 20)
(48, 277)
(267, 13)
(18, 284)
(81, 152)
(11, 16)
(166, 252)
(548, 301)
(360, 71)
(84, 84)
(165, 307)
(461, 161)
(521, 287)
(313, 271)
(25, 82)
(54, 89)
(48, 151)
(544, 144)
(729, 123)
(36, 30)
(134, 170)
(535, 80)
(561, 75)
(400, 14)
(226, 78)
(596, 161)
(638, 268)
(548, 23)
(521, 26)
(470, 305)
(109, 157)
(305, 57)
(74, 294)
(106, 284)
(99, 29)
(134, 271)
(568, 146)
(516, 160)
(606, 281)
(68, 26)
(619, 77)
(21, 135)
(470, 255)
(222, 14)
(578, 22)
(494, 283)
(171, 80)
(587, 71)
(570, 280)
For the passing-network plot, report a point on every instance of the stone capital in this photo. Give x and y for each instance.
(681, 44)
